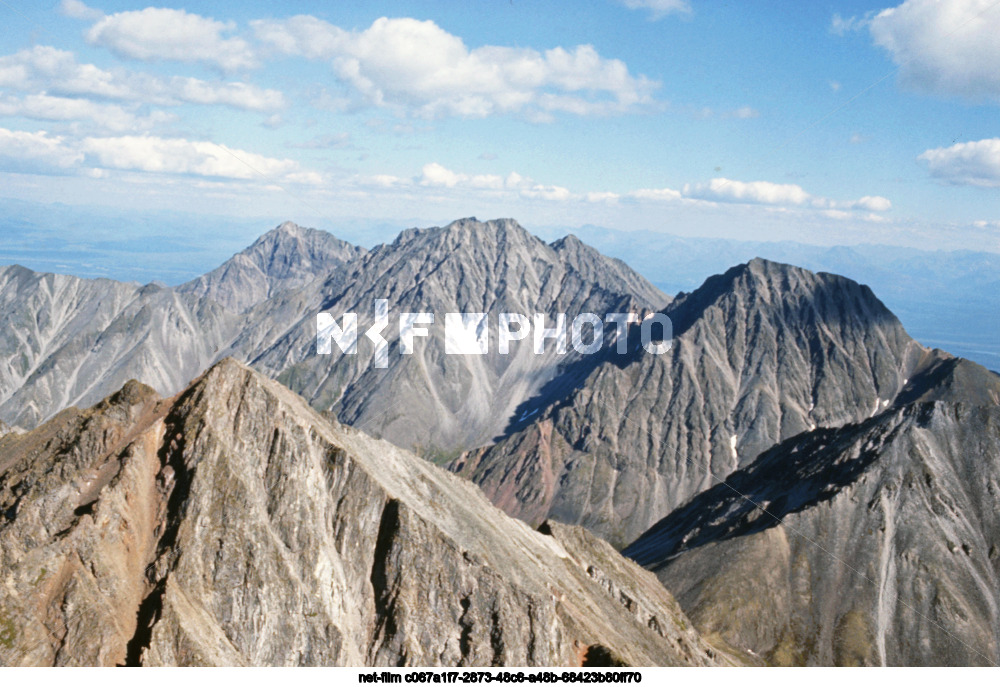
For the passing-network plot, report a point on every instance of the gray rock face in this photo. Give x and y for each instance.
(442, 404)
(874, 543)
(761, 353)
(66, 341)
(71, 341)
(233, 525)
(287, 257)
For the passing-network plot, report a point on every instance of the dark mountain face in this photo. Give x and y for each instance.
(760, 354)
(233, 525)
(876, 543)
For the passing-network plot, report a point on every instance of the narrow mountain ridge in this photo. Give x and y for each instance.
(233, 525)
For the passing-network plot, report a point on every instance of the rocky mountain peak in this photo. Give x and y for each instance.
(234, 525)
(784, 294)
(286, 257)
(288, 228)
(470, 234)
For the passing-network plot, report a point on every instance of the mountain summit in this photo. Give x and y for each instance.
(445, 403)
(288, 256)
(761, 353)
(233, 525)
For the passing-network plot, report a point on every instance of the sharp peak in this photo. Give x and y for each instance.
(569, 240)
(287, 228)
(490, 226)
(766, 276)
(289, 232)
(228, 366)
(763, 265)
(228, 373)
(763, 270)
(473, 221)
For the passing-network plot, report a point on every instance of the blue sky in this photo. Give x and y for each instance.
(824, 122)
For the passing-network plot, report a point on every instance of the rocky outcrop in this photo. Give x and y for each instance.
(876, 543)
(233, 525)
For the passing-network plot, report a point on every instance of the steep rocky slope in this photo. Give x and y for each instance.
(72, 341)
(234, 525)
(441, 403)
(873, 543)
(287, 257)
(760, 354)
(67, 341)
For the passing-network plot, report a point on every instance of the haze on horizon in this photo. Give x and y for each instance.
(874, 124)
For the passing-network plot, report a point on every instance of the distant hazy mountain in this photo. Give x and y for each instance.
(889, 547)
(233, 525)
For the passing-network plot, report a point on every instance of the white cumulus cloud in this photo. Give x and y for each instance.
(768, 193)
(36, 151)
(974, 163)
(78, 10)
(41, 152)
(872, 203)
(656, 194)
(436, 175)
(104, 115)
(157, 33)
(418, 68)
(764, 192)
(181, 156)
(47, 69)
(949, 48)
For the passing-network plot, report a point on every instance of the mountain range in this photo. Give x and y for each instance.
(814, 485)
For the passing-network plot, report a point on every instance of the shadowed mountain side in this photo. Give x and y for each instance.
(888, 549)
(945, 299)
(760, 354)
(233, 525)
